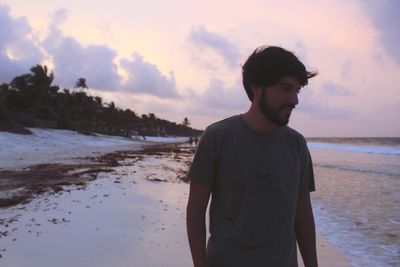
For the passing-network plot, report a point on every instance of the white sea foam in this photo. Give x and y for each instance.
(357, 203)
(378, 149)
(64, 146)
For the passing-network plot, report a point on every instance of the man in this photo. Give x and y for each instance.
(258, 172)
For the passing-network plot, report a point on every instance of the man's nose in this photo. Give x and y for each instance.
(293, 98)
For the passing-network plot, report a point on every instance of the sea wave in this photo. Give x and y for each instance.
(383, 150)
(393, 173)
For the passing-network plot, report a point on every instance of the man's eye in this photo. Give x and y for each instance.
(285, 89)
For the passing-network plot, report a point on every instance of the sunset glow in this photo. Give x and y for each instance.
(182, 58)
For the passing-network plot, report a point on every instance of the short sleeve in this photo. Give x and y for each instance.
(307, 183)
(203, 168)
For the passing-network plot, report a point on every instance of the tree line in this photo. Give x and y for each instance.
(31, 100)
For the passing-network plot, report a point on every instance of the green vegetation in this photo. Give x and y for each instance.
(30, 100)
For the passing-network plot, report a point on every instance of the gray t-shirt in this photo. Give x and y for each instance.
(255, 180)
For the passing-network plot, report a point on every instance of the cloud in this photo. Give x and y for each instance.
(204, 40)
(300, 50)
(96, 63)
(319, 106)
(144, 77)
(218, 96)
(346, 70)
(385, 17)
(333, 89)
(72, 60)
(218, 99)
(18, 51)
(58, 17)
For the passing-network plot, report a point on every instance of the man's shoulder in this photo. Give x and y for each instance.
(294, 135)
(224, 125)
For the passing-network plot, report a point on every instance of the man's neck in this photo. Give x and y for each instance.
(257, 121)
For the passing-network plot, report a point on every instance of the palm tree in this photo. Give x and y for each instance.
(20, 83)
(40, 82)
(186, 122)
(3, 99)
(40, 77)
(81, 83)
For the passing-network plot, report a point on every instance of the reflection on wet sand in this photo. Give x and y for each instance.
(117, 198)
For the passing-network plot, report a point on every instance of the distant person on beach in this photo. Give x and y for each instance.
(196, 140)
(259, 174)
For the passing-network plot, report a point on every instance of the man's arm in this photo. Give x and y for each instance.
(305, 231)
(199, 196)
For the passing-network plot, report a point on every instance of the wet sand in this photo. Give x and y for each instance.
(125, 208)
(328, 255)
(121, 209)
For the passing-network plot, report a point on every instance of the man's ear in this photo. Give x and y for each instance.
(256, 90)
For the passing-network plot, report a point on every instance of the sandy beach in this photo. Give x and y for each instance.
(122, 204)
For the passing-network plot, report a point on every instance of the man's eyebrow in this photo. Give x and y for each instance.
(286, 84)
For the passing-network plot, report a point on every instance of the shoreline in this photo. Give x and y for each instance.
(127, 208)
(49, 146)
(328, 255)
(144, 185)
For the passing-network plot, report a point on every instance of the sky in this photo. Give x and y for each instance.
(181, 58)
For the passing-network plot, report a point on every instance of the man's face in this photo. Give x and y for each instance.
(277, 101)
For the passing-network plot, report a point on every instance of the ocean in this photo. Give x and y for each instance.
(357, 199)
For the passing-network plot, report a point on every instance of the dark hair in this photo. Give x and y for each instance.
(268, 64)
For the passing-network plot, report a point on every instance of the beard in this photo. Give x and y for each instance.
(273, 114)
